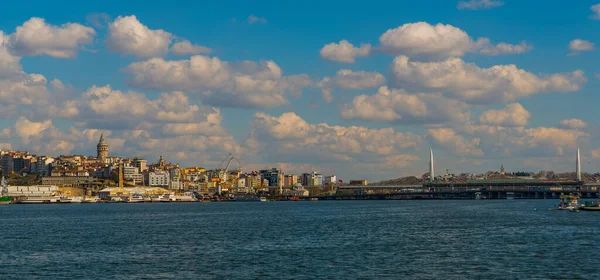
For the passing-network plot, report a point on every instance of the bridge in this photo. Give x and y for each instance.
(502, 188)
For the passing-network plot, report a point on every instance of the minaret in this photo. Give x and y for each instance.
(431, 172)
(578, 166)
(502, 170)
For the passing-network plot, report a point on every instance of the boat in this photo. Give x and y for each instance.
(90, 199)
(76, 199)
(164, 198)
(4, 199)
(590, 206)
(185, 197)
(116, 199)
(36, 200)
(135, 199)
(568, 202)
(263, 199)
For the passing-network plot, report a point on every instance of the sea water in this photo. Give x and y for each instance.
(484, 239)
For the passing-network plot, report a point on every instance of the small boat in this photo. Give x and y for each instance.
(90, 199)
(263, 199)
(116, 199)
(590, 206)
(76, 199)
(135, 199)
(568, 202)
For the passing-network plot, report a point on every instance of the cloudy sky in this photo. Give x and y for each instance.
(361, 91)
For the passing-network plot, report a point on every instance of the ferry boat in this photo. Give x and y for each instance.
(568, 202)
(4, 199)
(590, 206)
(91, 199)
(36, 200)
(135, 199)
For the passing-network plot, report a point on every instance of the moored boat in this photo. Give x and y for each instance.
(590, 206)
(568, 202)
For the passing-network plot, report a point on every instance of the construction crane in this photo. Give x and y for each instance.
(222, 172)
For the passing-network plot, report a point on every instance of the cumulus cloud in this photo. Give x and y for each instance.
(185, 47)
(512, 115)
(254, 19)
(289, 138)
(246, 84)
(485, 47)
(467, 81)
(478, 4)
(348, 79)
(399, 106)
(449, 139)
(344, 51)
(596, 11)
(129, 36)
(421, 40)
(36, 37)
(573, 123)
(577, 46)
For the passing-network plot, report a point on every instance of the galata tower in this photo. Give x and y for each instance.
(102, 148)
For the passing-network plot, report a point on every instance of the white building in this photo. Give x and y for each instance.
(330, 180)
(158, 178)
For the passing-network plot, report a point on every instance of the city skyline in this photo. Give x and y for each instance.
(364, 96)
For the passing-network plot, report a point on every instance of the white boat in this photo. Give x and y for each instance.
(116, 199)
(36, 200)
(135, 199)
(263, 199)
(76, 199)
(164, 198)
(91, 199)
(568, 202)
(185, 197)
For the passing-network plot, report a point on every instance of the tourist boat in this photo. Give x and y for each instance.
(36, 200)
(91, 199)
(590, 206)
(76, 199)
(568, 202)
(135, 199)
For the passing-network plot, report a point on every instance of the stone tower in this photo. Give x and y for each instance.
(102, 149)
(502, 170)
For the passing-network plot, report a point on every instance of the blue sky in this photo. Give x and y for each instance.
(525, 96)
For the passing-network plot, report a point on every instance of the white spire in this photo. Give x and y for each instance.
(578, 166)
(431, 172)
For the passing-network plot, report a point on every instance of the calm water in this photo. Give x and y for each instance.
(300, 240)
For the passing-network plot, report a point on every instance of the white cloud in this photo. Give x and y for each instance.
(421, 40)
(36, 37)
(478, 4)
(98, 20)
(128, 35)
(573, 123)
(246, 84)
(289, 138)
(254, 19)
(399, 106)
(344, 51)
(596, 153)
(485, 47)
(512, 115)
(185, 47)
(596, 10)
(449, 139)
(576, 46)
(466, 81)
(25, 128)
(348, 79)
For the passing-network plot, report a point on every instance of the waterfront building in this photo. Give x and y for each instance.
(274, 176)
(7, 163)
(102, 149)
